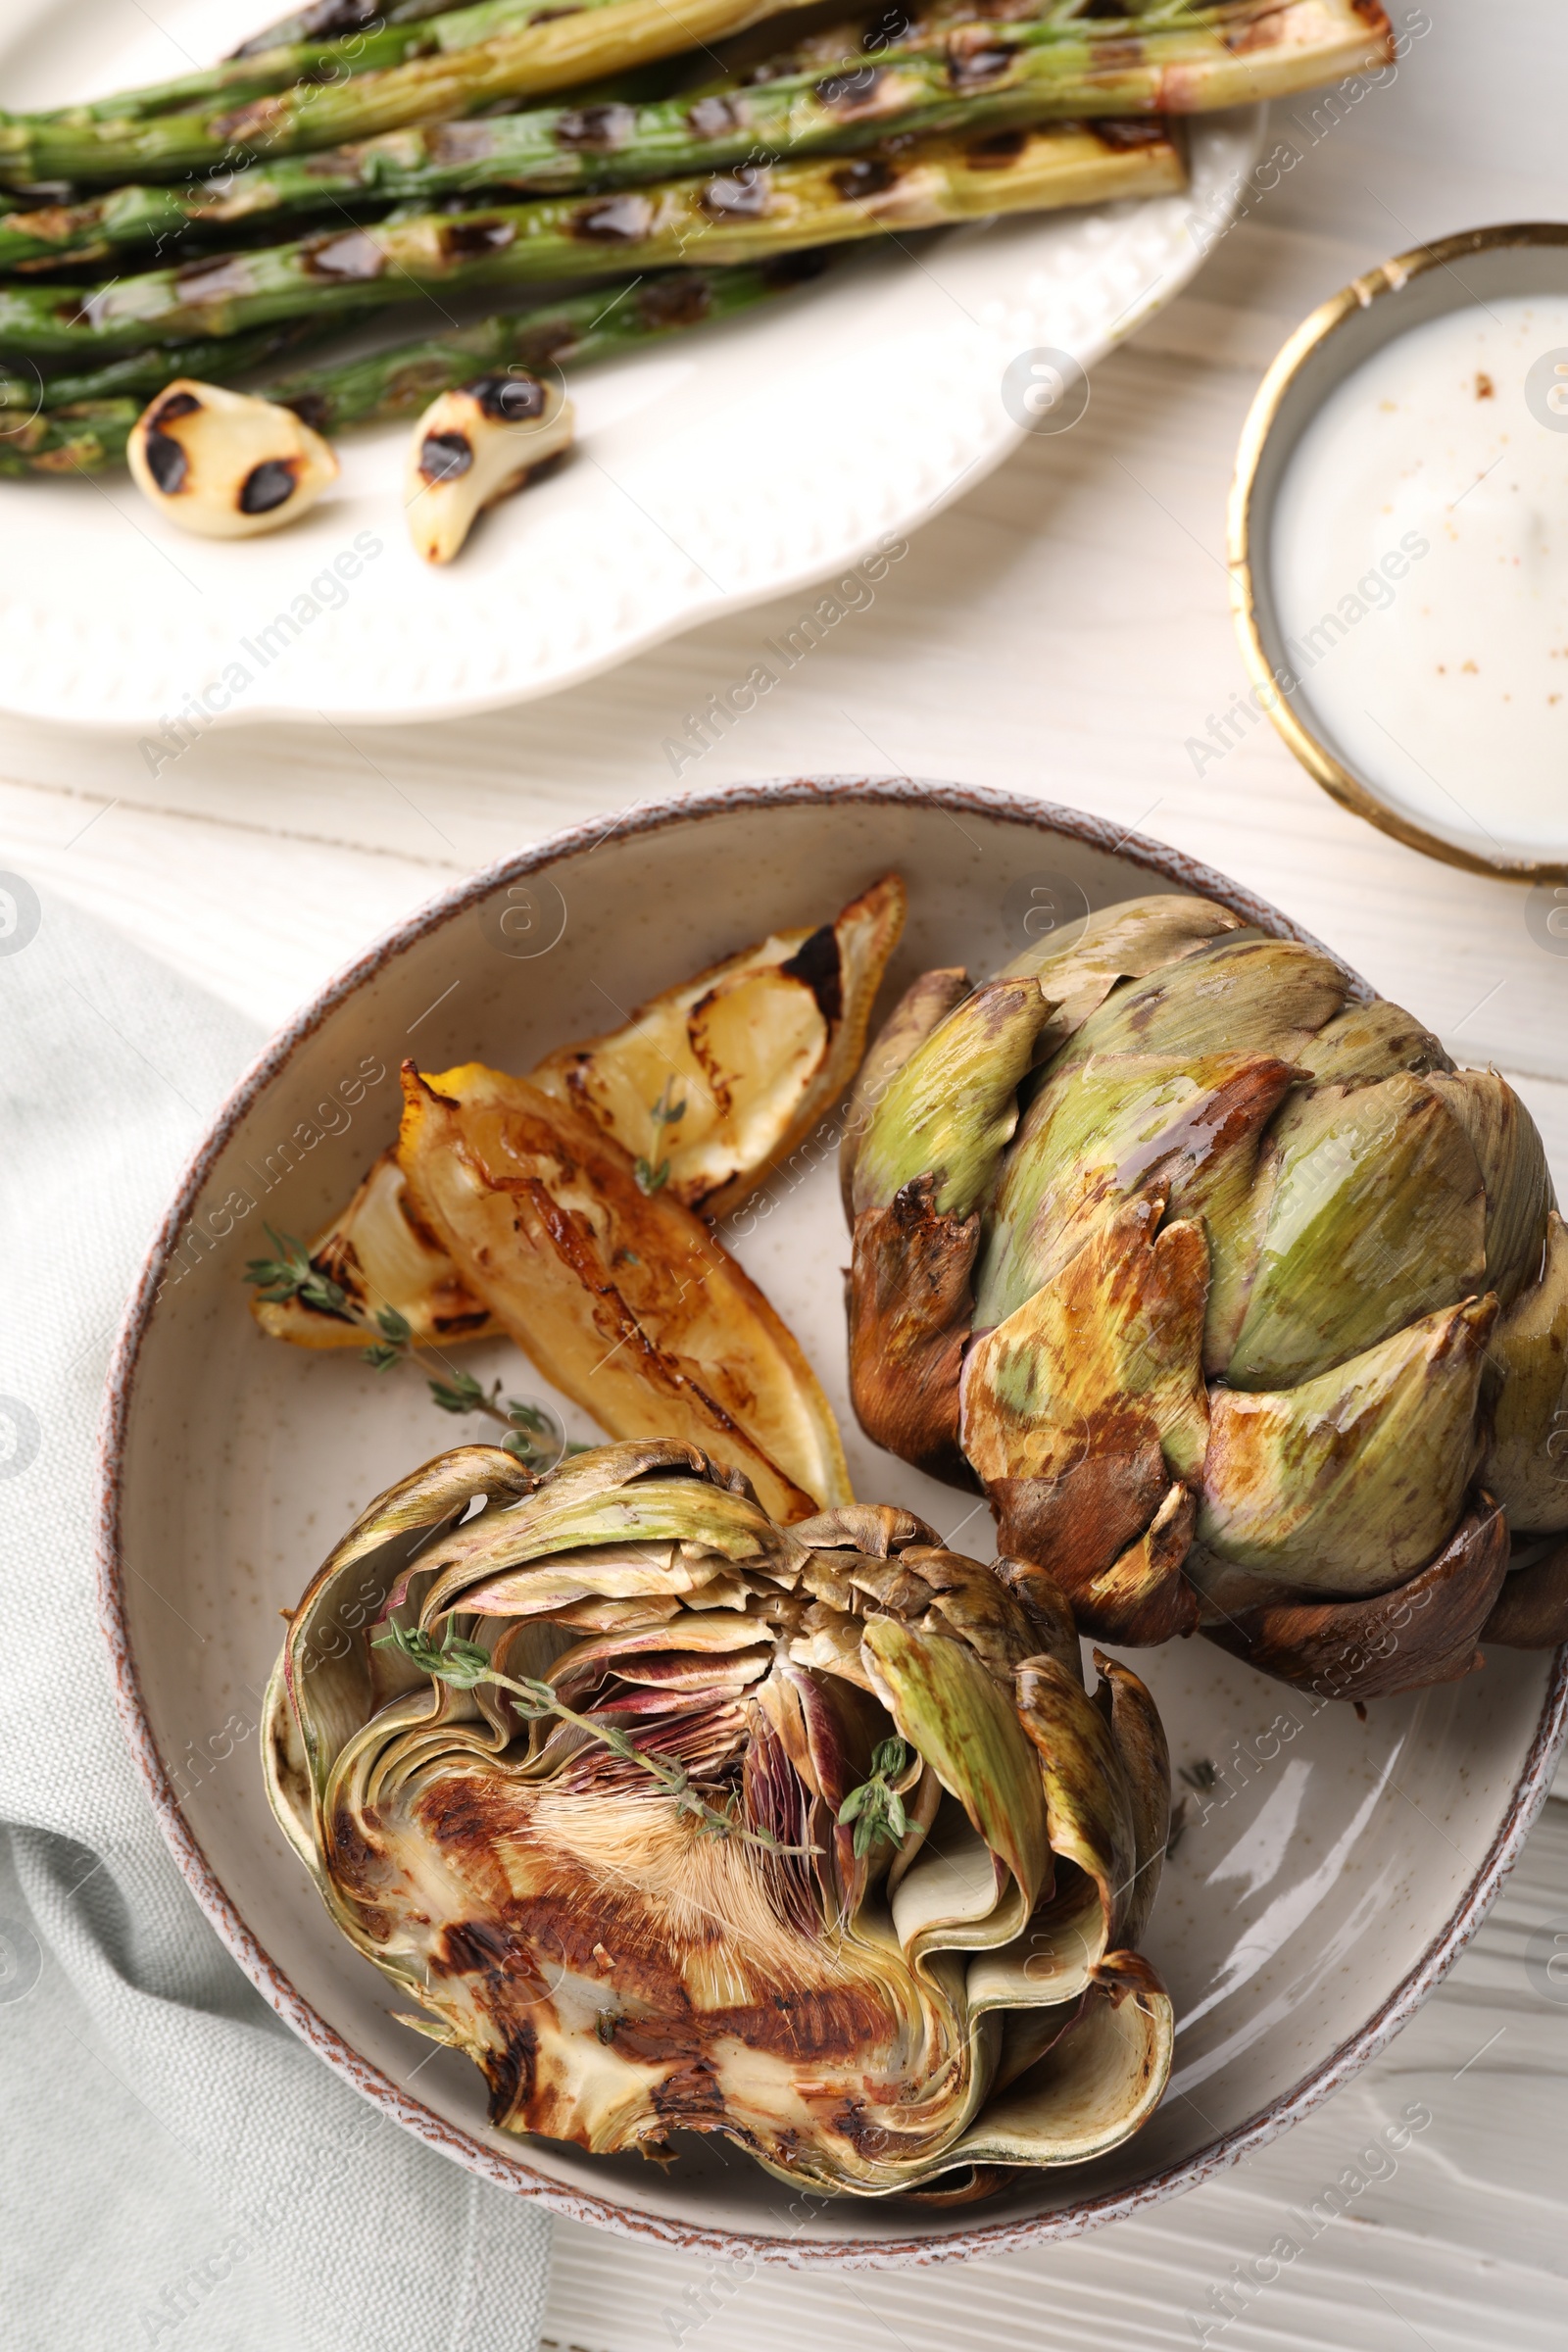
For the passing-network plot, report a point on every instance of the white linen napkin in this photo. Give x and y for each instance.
(176, 2169)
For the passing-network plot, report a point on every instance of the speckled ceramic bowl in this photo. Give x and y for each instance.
(1326, 1878)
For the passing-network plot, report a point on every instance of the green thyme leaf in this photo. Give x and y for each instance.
(664, 1112)
(459, 1393)
(461, 1663)
(291, 1275)
(875, 1808)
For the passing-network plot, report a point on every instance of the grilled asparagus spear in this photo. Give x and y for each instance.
(557, 48)
(307, 62)
(969, 77)
(332, 43)
(215, 361)
(1183, 57)
(745, 216)
(558, 148)
(331, 19)
(84, 438)
(90, 432)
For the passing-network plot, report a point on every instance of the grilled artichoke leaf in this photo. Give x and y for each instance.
(1377, 1217)
(1425, 1630)
(1115, 2060)
(1124, 942)
(359, 1580)
(1242, 993)
(1090, 1815)
(1046, 1607)
(1075, 975)
(1139, 1738)
(954, 1715)
(1531, 1610)
(1349, 1483)
(619, 1970)
(1106, 1353)
(1513, 1160)
(1117, 1126)
(951, 1109)
(1142, 1596)
(1526, 1466)
(599, 1518)
(926, 1001)
(1371, 1041)
(621, 1298)
(1108, 1783)
(910, 1310)
(757, 1048)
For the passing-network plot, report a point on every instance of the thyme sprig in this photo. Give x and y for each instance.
(666, 1112)
(875, 1807)
(466, 1663)
(530, 1434)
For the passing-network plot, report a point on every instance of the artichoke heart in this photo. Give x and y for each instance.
(618, 1295)
(675, 1819)
(1248, 1310)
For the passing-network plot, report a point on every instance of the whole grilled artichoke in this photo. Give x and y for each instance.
(677, 1819)
(1248, 1310)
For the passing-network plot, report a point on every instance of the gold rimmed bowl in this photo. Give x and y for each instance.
(1527, 259)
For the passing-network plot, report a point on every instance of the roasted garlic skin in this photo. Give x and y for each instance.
(474, 446)
(226, 464)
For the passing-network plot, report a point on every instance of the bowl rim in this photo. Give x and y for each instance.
(1245, 557)
(988, 2239)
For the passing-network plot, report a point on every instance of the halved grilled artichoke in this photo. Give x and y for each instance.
(756, 1048)
(1247, 1310)
(860, 2014)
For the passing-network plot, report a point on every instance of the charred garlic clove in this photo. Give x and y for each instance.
(474, 446)
(224, 464)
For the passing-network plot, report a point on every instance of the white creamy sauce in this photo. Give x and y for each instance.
(1420, 572)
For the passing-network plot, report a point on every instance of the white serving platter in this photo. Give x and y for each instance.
(1344, 1862)
(719, 470)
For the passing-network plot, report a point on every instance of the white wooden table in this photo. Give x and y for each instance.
(1063, 630)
